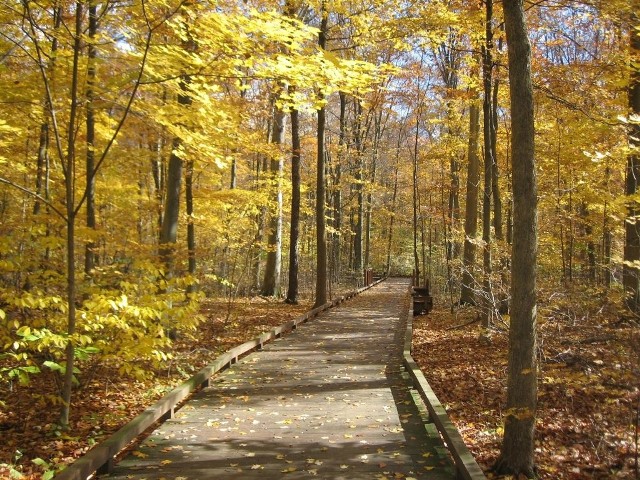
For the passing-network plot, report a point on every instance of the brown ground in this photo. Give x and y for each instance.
(588, 387)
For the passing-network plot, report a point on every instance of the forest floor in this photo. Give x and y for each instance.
(589, 387)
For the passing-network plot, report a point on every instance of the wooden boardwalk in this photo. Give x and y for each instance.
(327, 401)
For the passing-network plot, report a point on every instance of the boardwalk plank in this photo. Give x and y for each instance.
(327, 401)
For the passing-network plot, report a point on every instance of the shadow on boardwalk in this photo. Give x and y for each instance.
(328, 401)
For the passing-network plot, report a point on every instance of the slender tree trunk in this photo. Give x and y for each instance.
(294, 233)
(271, 282)
(43, 166)
(367, 238)
(70, 186)
(337, 194)
(495, 184)
(170, 220)
(171, 217)
(487, 66)
(518, 443)
(90, 256)
(416, 256)
(321, 236)
(631, 275)
(358, 238)
(467, 295)
(393, 206)
(607, 236)
(191, 228)
(591, 248)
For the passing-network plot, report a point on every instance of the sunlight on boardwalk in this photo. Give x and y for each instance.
(327, 401)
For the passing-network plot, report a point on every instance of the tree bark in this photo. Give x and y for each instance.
(70, 186)
(321, 236)
(271, 282)
(487, 66)
(495, 174)
(393, 205)
(467, 295)
(337, 194)
(359, 220)
(43, 166)
(516, 456)
(416, 256)
(90, 256)
(191, 228)
(294, 233)
(631, 272)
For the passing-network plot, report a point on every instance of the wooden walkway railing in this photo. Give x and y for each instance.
(465, 464)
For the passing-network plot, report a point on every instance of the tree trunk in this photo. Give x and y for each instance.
(294, 233)
(337, 194)
(321, 236)
(487, 66)
(170, 219)
(495, 174)
(518, 443)
(393, 206)
(359, 220)
(416, 256)
(467, 295)
(43, 165)
(70, 186)
(90, 256)
(374, 161)
(631, 272)
(191, 228)
(271, 282)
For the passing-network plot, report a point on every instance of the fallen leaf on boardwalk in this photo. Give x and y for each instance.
(344, 467)
(289, 470)
(139, 454)
(165, 462)
(250, 454)
(257, 466)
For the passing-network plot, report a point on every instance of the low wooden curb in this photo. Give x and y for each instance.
(465, 464)
(100, 458)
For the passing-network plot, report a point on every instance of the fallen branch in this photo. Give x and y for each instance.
(455, 327)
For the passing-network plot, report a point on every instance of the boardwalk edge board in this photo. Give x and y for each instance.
(465, 464)
(100, 459)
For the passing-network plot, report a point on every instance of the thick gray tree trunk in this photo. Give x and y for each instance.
(520, 414)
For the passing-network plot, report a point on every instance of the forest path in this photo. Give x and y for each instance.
(327, 401)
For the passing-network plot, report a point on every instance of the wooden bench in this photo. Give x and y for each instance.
(422, 300)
